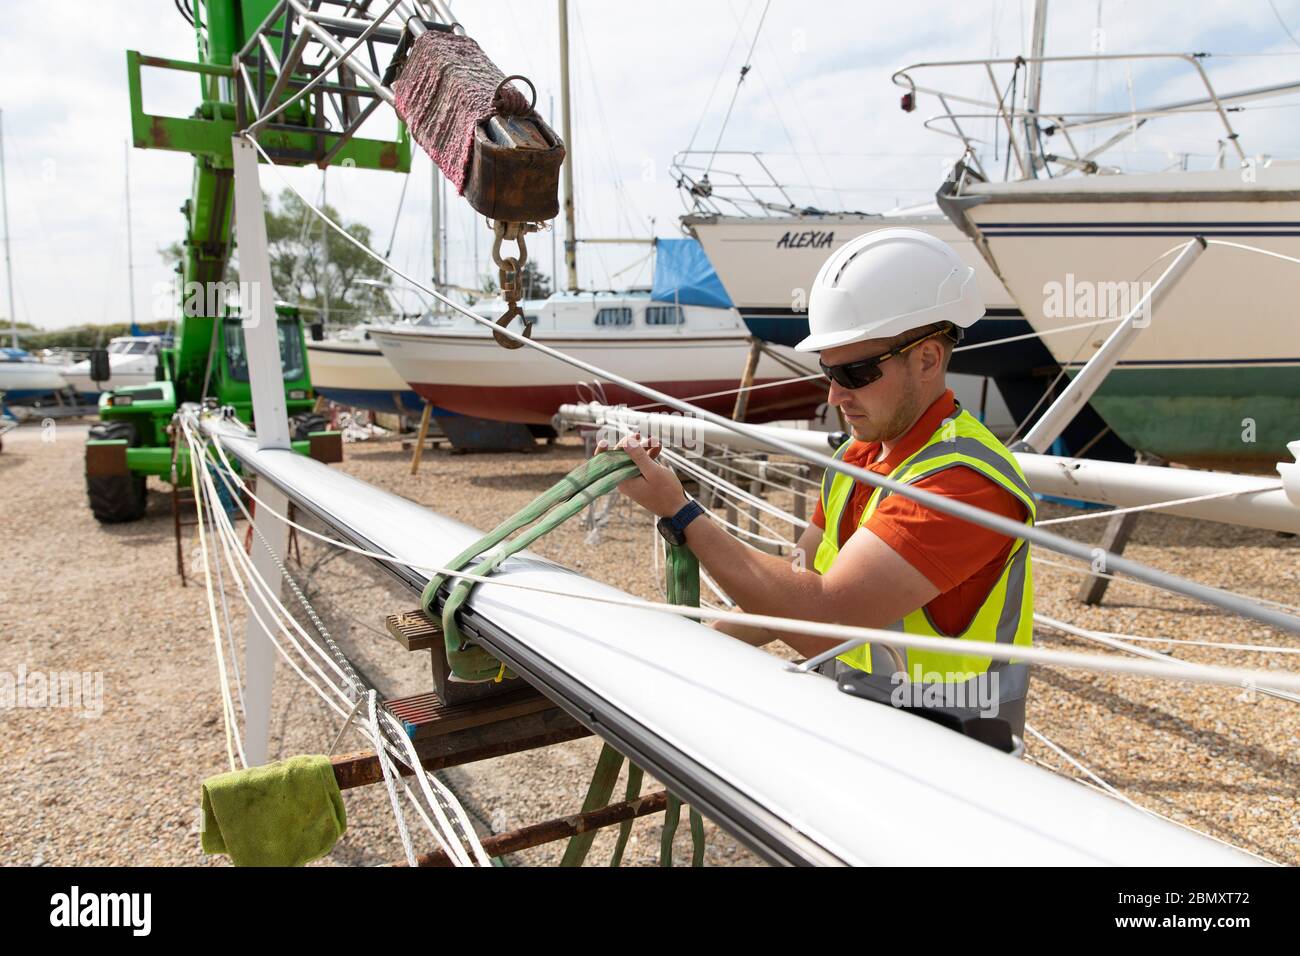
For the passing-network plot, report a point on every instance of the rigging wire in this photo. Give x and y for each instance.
(722, 71)
(1112, 791)
(736, 92)
(940, 503)
(1174, 503)
(231, 547)
(1282, 23)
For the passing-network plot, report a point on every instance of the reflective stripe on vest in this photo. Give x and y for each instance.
(1006, 615)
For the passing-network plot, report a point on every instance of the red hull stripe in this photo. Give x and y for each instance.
(537, 403)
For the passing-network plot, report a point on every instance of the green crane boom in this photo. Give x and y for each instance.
(242, 70)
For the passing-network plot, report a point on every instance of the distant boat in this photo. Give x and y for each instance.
(348, 368)
(1211, 379)
(686, 351)
(132, 360)
(1215, 379)
(23, 378)
(768, 263)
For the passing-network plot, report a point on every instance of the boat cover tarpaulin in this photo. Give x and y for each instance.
(683, 274)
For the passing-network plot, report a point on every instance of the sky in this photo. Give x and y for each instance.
(650, 80)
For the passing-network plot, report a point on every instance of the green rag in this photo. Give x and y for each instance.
(280, 814)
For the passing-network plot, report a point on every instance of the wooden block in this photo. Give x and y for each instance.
(105, 458)
(505, 736)
(326, 447)
(429, 716)
(414, 630)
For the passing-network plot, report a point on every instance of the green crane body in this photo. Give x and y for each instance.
(208, 358)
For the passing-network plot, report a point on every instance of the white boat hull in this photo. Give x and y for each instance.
(22, 380)
(1215, 376)
(468, 372)
(355, 373)
(768, 264)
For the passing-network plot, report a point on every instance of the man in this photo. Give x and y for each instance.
(884, 313)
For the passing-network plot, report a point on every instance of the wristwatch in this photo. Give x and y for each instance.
(674, 529)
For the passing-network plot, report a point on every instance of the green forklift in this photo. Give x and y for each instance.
(208, 361)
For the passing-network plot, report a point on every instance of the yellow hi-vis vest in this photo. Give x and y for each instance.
(1006, 616)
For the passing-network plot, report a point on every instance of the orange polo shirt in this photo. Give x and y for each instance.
(961, 559)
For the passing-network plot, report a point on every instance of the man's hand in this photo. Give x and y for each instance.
(658, 489)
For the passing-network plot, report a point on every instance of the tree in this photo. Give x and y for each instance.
(537, 284)
(299, 245)
(296, 244)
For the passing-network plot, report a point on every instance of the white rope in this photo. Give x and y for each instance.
(854, 636)
(1178, 641)
(762, 481)
(1033, 732)
(1048, 562)
(235, 554)
(232, 547)
(1120, 643)
(1038, 335)
(266, 592)
(1112, 791)
(279, 612)
(1263, 252)
(427, 783)
(776, 466)
(227, 707)
(225, 617)
(735, 391)
(712, 585)
(381, 752)
(1111, 512)
(738, 494)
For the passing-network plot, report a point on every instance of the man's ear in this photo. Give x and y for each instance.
(931, 360)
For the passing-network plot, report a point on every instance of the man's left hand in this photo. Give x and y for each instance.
(658, 490)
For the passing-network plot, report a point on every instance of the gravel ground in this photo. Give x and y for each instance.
(122, 788)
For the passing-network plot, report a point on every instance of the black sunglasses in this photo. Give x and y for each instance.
(863, 372)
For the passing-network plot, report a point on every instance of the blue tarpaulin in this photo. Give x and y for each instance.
(683, 274)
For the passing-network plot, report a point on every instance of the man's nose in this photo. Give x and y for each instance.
(837, 394)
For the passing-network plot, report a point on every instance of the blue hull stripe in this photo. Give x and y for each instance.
(379, 401)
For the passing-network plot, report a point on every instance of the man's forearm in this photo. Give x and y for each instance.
(760, 583)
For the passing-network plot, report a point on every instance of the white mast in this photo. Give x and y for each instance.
(435, 193)
(130, 261)
(325, 256)
(1034, 87)
(566, 119)
(9, 265)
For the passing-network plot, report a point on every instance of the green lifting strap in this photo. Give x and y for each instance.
(634, 777)
(683, 587)
(596, 476)
(608, 765)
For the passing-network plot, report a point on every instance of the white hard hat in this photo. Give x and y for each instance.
(887, 282)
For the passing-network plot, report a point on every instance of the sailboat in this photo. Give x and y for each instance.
(24, 378)
(1212, 380)
(682, 337)
(132, 360)
(687, 351)
(768, 247)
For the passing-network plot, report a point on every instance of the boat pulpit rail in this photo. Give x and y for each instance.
(1025, 129)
